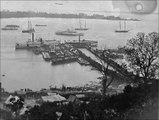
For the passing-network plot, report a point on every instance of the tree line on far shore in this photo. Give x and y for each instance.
(23, 14)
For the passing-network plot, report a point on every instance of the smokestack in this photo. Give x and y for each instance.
(0, 91)
(32, 35)
(79, 38)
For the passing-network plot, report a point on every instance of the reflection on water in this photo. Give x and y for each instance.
(23, 69)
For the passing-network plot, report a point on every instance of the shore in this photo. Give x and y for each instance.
(20, 14)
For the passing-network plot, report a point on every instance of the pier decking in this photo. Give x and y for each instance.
(114, 65)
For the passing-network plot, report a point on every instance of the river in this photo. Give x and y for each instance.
(22, 69)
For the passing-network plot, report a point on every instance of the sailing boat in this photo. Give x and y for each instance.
(120, 30)
(30, 29)
(81, 28)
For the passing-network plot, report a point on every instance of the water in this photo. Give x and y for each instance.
(23, 69)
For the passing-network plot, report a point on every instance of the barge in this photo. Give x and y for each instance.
(82, 62)
(68, 32)
(28, 31)
(83, 43)
(64, 60)
(11, 27)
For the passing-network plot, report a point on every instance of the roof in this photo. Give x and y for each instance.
(53, 98)
(80, 95)
(20, 92)
(11, 99)
(30, 102)
(23, 110)
(73, 99)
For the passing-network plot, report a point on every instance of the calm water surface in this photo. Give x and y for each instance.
(23, 69)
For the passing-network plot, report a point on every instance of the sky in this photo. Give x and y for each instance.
(60, 6)
(106, 7)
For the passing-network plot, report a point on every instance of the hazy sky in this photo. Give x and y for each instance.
(60, 6)
(112, 7)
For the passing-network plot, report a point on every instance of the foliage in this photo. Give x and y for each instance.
(106, 79)
(5, 115)
(115, 107)
(143, 53)
(103, 68)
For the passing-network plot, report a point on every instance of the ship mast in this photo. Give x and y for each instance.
(85, 23)
(125, 25)
(80, 22)
(120, 25)
(28, 25)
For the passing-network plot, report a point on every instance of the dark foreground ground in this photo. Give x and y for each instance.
(136, 103)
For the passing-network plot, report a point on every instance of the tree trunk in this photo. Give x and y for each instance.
(104, 81)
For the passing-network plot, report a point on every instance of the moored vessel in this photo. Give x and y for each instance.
(39, 25)
(30, 29)
(64, 60)
(69, 32)
(82, 43)
(80, 26)
(120, 30)
(46, 56)
(11, 27)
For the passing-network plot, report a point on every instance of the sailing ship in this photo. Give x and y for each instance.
(30, 29)
(120, 30)
(80, 26)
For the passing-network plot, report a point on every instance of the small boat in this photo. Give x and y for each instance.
(38, 25)
(69, 32)
(120, 30)
(82, 62)
(46, 56)
(30, 29)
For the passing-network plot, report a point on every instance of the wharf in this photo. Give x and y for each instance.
(114, 65)
(56, 52)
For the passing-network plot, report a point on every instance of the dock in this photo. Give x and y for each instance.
(55, 51)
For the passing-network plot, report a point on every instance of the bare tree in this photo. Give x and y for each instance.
(142, 52)
(103, 68)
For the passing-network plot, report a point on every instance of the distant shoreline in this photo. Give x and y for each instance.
(20, 14)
